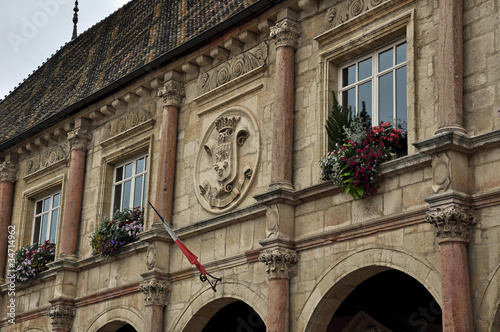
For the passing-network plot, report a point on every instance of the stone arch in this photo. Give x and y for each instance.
(488, 308)
(333, 286)
(122, 314)
(202, 306)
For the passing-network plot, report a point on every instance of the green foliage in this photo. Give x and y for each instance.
(337, 121)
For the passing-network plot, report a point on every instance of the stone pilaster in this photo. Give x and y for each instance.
(8, 175)
(172, 93)
(156, 289)
(62, 316)
(286, 32)
(278, 263)
(79, 139)
(454, 225)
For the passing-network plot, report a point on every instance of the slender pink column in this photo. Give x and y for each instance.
(172, 94)
(79, 139)
(454, 227)
(450, 65)
(457, 307)
(286, 33)
(278, 262)
(8, 172)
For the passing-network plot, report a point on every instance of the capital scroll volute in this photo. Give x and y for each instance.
(8, 171)
(172, 93)
(62, 316)
(452, 222)
(79, 138)
(278, 261)
(155, 291)
(286, 32)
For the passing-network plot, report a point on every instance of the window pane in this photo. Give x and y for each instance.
(401, 53)
(117, 198)
(55, 200)
(365, 95)
(38, 207)
(119, 174)
(128, 170)
(53, 226)
(349, 99)
(45, 224)
(385, 60)
(139, 167)
(138, 192)
(348, 75)
(46, 204)
(401, 109)
(127, 186)
(36, 230)
(365, 69)
(385, 97)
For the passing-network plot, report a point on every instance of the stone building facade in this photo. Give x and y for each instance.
(224, 105)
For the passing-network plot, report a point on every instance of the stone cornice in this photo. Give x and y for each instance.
(286, 32)
(8, 171)
(452, 222)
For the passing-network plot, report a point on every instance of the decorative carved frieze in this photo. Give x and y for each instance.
(441, 172)
(129, 120)
(347, 10)
(172, 93)
(233, 68)
(452, 222)
(48, 157)
(155, 291)
(62, 316)
(227, 161)
(79, 138)
(151, 257)
(278, 261)
(286, 32)
(8, 171)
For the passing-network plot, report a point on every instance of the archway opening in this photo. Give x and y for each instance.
(388, 301)
(235, 317)
(496, 322)
(117, 326)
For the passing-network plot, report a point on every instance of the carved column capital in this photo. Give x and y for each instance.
(62, 316)
(172, 93)
(79, 138)
(451, 222)
(155, 291)
(8, 171)
(278, 261)
(286, 32)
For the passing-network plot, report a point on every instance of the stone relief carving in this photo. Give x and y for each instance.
(452, 222)
(155, 291)
(441, 174)
(129, 120)
(8, 171)
(62, 316)
(278, 261)
(347, 10)
(227, 161)
(48, 157)
(233, 68)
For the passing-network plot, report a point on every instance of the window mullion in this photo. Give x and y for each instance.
(375, 89)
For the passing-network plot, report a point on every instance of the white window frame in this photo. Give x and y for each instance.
(51, 223)
(132, 178)
(374, 78)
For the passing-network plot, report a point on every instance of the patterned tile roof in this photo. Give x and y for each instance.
(137, 34)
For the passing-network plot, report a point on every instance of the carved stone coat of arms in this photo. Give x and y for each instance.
(227, 160)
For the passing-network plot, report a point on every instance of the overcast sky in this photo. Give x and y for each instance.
(32, 30)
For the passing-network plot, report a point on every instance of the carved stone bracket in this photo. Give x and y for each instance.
(278, 261)
(62, 316)
(452, 222)
(155, 291)
(8, 171)
(79, 138)
(172, 93)
(347, 10)
(286, 32)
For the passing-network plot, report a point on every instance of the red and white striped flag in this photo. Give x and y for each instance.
(189, 255)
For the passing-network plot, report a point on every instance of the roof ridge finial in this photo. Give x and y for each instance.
(75, 20)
